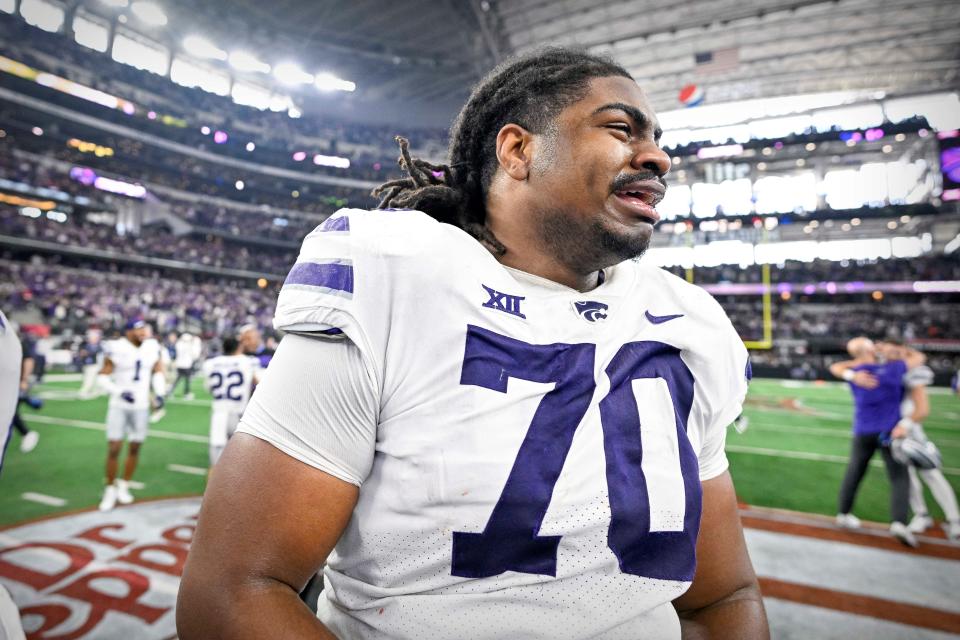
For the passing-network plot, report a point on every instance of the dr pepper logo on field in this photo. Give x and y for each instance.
(94, 575)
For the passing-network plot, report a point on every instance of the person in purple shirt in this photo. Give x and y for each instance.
(877, 390)
(251, 342)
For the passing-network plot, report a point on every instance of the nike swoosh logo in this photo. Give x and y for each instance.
(661, 319)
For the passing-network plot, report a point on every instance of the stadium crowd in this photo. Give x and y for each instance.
(156, 242)
(73, 299)
(932, 267)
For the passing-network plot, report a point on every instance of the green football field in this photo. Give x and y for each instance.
(791, 457)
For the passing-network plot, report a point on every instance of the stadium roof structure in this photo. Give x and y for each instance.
(433, 51)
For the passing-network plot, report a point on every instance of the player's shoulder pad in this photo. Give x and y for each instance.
(350, 247)
(921, 376)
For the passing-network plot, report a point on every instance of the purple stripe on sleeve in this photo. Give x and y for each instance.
(338, 223)
(336, 276)
(331, 332)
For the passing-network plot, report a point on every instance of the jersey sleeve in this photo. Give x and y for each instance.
(921, 376)
(722, 374)
(332, 289)
(330, 423)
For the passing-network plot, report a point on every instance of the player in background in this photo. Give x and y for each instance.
(877, 389)
(230, 379)
(251, 341)
(131, 368)
(28, 367)
(188, 349)
(170, 351)
(90, 356)
(10, 369)
(458, 415)
(914, 409)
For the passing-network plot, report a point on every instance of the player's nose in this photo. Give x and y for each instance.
(650, 157)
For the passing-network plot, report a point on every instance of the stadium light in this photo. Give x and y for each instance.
(331, 161)
(290, 74)
(149, 13)
(243, 61)
(329, 82)
(200, 47)
(116, 4)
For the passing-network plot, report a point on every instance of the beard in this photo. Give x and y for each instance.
(589, 245)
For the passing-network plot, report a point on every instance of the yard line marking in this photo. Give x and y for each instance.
(96, 426)
(182, 468)
(42, 498)
(817, 457)
(62, 395)
(63, 377)
(830, 433)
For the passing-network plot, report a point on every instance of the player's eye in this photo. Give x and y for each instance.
(622, 127)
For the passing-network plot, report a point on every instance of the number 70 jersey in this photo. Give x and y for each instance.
(539, 451)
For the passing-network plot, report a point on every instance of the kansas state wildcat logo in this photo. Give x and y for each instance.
(591, 311)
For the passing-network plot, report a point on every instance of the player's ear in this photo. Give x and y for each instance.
(514, 146)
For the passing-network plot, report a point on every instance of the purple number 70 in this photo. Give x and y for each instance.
(510, 540)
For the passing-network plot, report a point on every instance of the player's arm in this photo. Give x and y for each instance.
(913, 358)
(158, 382)
(267, 524)
(271, 501)
(724, 600)
(921, 404)
(107, 368)
(844, 371)
(26, 370)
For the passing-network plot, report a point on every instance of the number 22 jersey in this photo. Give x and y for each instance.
(539, 451)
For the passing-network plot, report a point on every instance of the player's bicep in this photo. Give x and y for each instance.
(278, 517)
(723, 564)
(318, 403)
(107, 366)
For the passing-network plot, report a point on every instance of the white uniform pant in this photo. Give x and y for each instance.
(129, 423)
(939, 487)
(89, 387)
(223, 424)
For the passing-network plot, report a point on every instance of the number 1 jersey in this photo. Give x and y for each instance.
(539, 451)
(132, 368)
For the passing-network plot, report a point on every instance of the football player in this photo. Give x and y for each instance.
(230, 379)
(188, 350)
(10, 368)
(131, 368)
(877, 389)
(914, 409)
(90, 356)
(499, 423)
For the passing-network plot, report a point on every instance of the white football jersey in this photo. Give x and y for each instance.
(10, 362)
(188, 350)
(132, 370)
(230, 380)
(539, 451)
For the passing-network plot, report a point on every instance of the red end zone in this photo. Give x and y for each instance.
(99, 575)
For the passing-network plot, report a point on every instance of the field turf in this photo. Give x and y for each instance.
(792, 456)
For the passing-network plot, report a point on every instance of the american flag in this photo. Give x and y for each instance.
(716, 61)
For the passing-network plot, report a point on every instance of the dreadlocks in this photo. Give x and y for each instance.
(529, 91)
